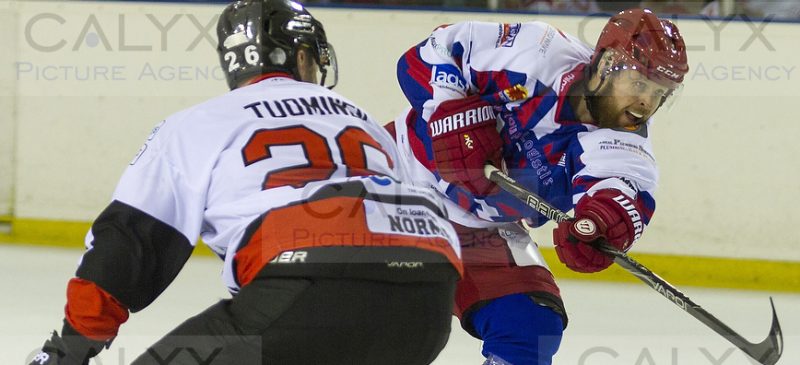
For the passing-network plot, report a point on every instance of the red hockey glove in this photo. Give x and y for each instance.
(464, 137)
(609, 214)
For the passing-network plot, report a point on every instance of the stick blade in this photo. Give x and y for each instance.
(769, 351)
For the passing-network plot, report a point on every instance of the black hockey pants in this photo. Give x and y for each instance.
(327, 313)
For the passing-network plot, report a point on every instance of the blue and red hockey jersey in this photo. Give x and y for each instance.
(546, 148)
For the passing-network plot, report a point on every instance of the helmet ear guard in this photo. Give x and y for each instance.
(257, 37)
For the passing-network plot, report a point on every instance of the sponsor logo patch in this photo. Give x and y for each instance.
(546, 41)
(439, 47)
(507, 33)
(408, 220)
(448, 77)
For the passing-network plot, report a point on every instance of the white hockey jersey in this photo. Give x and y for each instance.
(271, 148)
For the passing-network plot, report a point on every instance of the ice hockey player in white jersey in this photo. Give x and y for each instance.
(573, 128)
(331, 259)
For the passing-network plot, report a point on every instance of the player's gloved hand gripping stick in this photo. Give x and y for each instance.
(766, 352)
(464, 136)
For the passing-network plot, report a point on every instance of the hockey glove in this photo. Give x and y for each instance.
(464, 138)
(609, 214)
(71, 348)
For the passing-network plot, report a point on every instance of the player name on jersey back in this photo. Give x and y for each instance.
(297, 106)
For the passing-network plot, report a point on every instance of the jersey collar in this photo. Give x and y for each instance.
(564, 112)
(271, 75)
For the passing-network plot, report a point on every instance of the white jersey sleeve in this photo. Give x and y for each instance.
(482, 58)
(619, 160)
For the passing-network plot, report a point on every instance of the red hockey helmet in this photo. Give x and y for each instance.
(643, 42)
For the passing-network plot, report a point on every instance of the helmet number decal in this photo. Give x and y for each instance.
(251, 55)
(232, 64)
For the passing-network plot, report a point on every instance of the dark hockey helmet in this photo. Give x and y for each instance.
(256, 37)
(646, 43)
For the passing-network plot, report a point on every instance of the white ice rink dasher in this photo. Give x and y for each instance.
(610, 323)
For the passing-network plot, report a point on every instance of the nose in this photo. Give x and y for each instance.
(647, 102)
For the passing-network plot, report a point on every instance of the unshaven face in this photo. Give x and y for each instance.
(627, 99)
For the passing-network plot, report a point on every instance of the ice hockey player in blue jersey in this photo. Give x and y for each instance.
(568, 122)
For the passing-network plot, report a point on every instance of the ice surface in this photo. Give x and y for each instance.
(609, 323)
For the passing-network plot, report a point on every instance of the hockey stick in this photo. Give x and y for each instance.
(766, 352)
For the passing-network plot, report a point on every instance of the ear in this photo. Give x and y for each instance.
(303, 57)
(606, 59)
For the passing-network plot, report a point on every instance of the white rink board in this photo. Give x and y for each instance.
(7, 109)
(726, 150)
